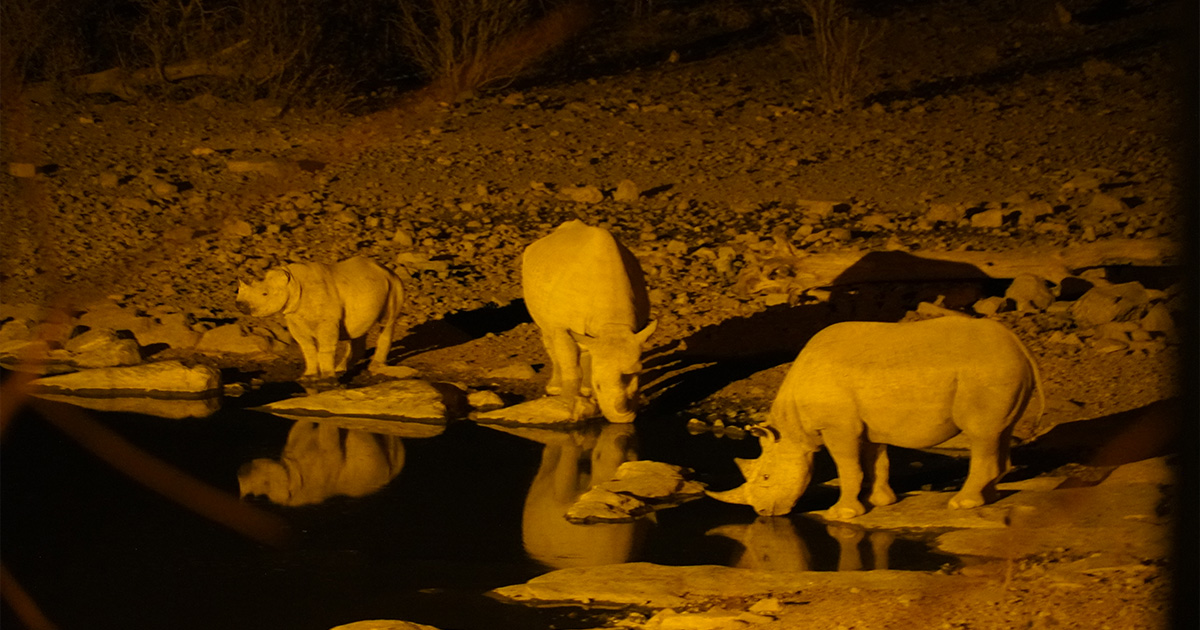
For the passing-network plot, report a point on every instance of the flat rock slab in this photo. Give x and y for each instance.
(637, 488)
(1120, 522)
(380, 426)
(924, 510)
(165, 379)
(409, 399)
(548, 410)
(383, 624)
(174, 409)
(655, 586)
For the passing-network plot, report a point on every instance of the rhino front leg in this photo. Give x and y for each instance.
(982, 473)
(564, 363)
(875, 459)
(308, 347)
(846, 453)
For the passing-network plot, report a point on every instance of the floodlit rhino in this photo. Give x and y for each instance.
(321, 460)
(859, 386)
(587, 294)
(325, 303)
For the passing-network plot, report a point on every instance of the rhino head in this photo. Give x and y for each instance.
(776, 479)
(267, 296)
(616, 360)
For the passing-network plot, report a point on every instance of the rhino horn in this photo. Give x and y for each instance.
(737, 495)
(745, 465)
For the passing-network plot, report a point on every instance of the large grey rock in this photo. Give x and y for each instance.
(164, 378)
(657, 586)
(383, 624)
(1119, 523)
(408, 399)
(548, 410)
(1029, 293)
(102, 348)
(172, 408)
(237, 339)
(1107, 303)
(637, 488)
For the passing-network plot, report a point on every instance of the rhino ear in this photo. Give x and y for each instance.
(645, 333)
(584, 340)
(765, 432)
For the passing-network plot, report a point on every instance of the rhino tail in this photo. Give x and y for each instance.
(1037, 374)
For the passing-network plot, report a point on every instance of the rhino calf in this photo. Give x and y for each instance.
(587, 294)
(324, 303)
(858, 386)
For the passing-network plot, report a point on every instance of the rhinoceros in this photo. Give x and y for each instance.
(859, 386)
(587, 294)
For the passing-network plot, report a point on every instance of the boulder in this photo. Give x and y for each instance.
(627, 191)
(637, 488)
(548, 410)
(1029, 293)
(171, 408)
(383, 624)
(102, 348)
(409, 399)
(1107, 303)
(165, 379)
(236, 339)
(582, 194)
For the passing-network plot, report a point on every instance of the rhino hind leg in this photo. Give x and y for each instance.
(987, 463)
(876, 462)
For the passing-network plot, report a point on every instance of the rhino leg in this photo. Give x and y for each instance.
(844, 447)
(875, 460)
(565, 377)
(986, 465)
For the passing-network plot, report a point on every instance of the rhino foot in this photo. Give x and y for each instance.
(966, 501)
(846, 511)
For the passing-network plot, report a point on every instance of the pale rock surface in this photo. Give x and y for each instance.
(637, 488)
(582, 194)
(1103, 304)
(164, 378)
(237, 339)
(539, 411)
(170, 408)
(627, 191)
(408, 399)
(1029, 293)
(657, 586)
(102, 348)
(383, 624)
(484, 400)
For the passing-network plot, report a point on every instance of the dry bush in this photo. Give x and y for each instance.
(463, 45)
(834, 53)
(39, 40)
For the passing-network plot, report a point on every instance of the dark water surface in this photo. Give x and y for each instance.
(471, 509)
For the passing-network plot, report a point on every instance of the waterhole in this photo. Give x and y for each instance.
(458, 511)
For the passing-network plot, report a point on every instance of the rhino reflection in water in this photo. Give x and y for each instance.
(572, 462)
(773, 543)
(322, 460)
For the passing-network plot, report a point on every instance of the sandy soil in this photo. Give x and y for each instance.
(1068, 127)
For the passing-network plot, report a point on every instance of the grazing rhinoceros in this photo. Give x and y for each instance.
(586, 293)
(859, 386)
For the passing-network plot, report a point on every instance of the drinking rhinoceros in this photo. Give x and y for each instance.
(586, 293)
(859, 386)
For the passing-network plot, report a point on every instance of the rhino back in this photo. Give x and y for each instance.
(908, 375)
(580, 278)
(363, 288)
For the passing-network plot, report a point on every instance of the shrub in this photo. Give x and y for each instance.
(832, 56)
(463, 45)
